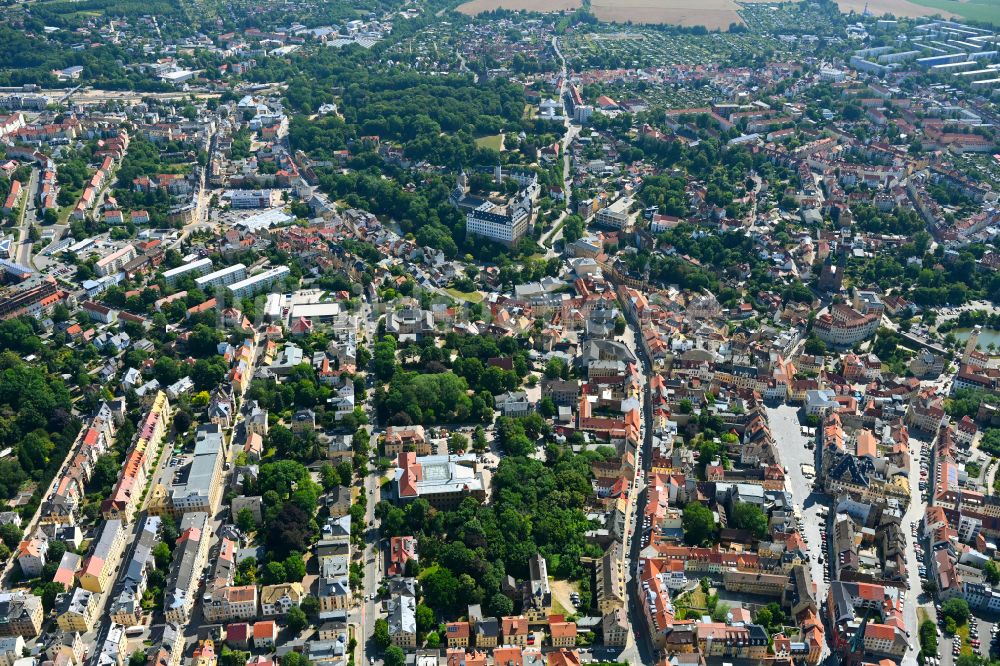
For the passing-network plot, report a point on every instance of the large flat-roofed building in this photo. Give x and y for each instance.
(32, 300)
(113, 262)
(258, 283)
(314, 312)
(616, 215)
(201, 489)
(444, 481)
(194, 269)
(253, 198)
(224, 276)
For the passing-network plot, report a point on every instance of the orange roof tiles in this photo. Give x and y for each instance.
(870, 592)
(562, 629)
(264, 629)
(457, 630)
(507, 656)
(880, 632)
(514, 626)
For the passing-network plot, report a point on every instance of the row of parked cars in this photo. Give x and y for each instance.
(825, 548)
(918, 548)
(925, 456)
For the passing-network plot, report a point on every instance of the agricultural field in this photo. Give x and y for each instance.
(987, 11)
(474, 7)
(900, 8)
(713, 14)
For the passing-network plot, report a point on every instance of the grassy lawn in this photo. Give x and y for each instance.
(470, 296)
(963, 633)
(558, 609)
(493, 142)
(922, 615)
(695, 599)
(428, 571)
(65, 212)
(547, 241)
(561, 591)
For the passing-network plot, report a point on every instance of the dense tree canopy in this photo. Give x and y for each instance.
(699, 524)
(36, 420)
(536, 508)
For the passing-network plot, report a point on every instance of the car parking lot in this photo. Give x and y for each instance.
(984, 639)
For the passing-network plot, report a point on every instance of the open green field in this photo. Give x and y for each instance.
(470, 296)
(898, 8)
(977, 10)
(493, 142)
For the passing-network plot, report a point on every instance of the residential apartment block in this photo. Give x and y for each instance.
(145, 449)
(202, 488)
(99, 567)
(190, 556)
(125, 605)
(230, 603)
(193, 269)
(279, 599)
(77, 610)
(256, 284)
(222, 277)
(21, 614)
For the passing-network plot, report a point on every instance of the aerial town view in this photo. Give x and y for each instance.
(499, 333)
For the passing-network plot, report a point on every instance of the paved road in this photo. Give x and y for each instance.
(568, 136)
(201, 220)
(638, 649)
(164, 474)
(915, 598)
(363, 617)
(27, 220)
(991, 474)
(557, 231)
(374, 561)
